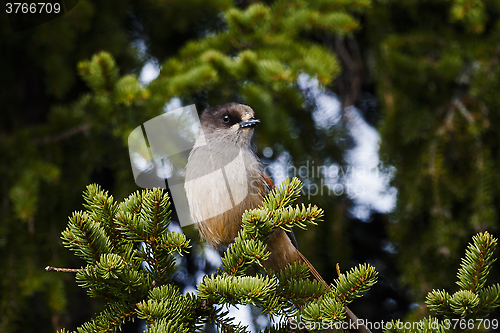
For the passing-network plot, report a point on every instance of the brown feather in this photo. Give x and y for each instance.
(268, 180)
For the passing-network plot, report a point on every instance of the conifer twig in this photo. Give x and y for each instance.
(64, 135)
(65, 270)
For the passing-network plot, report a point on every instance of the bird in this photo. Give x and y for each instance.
(224, 178)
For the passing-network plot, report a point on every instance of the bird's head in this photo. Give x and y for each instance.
(231, 122)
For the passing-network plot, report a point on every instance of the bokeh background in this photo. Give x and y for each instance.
(387, 110)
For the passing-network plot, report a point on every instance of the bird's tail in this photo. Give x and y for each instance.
(360, 327)
(313, 270)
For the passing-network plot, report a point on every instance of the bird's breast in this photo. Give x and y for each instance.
(220, 186)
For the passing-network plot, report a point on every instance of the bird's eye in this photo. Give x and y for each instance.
(225, 118)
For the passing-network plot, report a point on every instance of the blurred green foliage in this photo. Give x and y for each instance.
(435, 66)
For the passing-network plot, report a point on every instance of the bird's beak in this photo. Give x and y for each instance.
(249, 123)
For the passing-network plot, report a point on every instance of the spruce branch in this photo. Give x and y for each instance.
(276, 212)
(302, 291)
(129, 253)
(86, 237)
(114, 278)
(476, 265)
(163, 325)
(175, 242)
(473, 300)
(166, 304)
(329, 307)
(326, 309)
(114, 315)
(144, 217)
(127, 217)
(218, 316)
(242, 253)
(257, 223)
(102, 209)
(355, 283)
(295, 271)
(115, 271)
(289, 217)
(463, 303)
(228, 289)
(283, 195)
(438, 301)
(489, 300)
(295, 285)
(155, 215)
